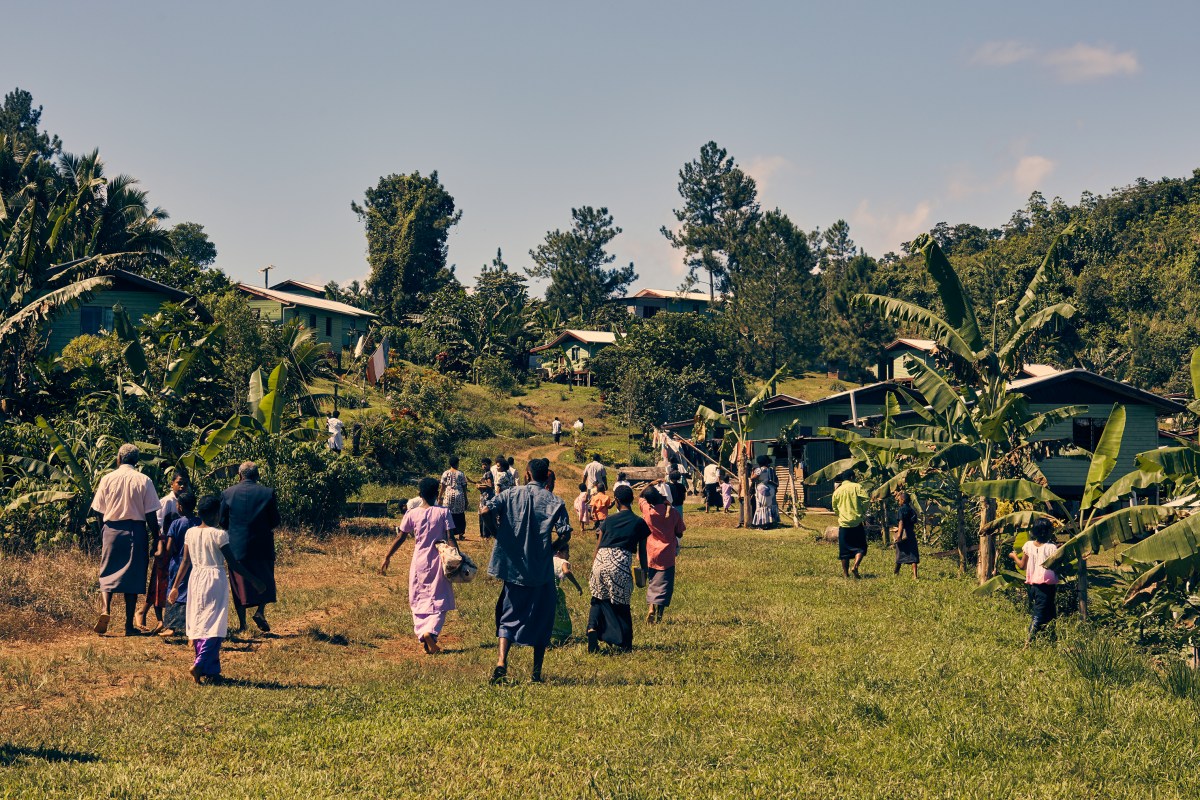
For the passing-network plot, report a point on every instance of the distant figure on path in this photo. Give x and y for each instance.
(337, 430)
(128, 505)
(556, 429)
(712, 487)
(666, 529)
(1041, 583)
(583, 508)
(766, 484)
(206, 554)
(850, 504)
(156, 593)
(622, 480)
(452, 493)
(726, 494)
(486, 486)
(621, 535)
(600, 503)
(430, 594)
(906, 534)
(250, 515)
(533, 526)
(678, 490)
(578, 426)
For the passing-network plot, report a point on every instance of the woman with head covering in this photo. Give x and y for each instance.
(666, 529)
(766, 512)
(430, 594)
(621, 534)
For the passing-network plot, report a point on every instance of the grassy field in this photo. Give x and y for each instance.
(772, 677)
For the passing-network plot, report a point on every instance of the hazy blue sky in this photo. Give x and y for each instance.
(263, 121)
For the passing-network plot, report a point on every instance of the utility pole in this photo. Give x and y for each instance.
(266, 271)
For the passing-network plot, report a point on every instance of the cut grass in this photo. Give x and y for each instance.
(772, 677)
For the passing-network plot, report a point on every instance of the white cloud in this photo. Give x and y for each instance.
(886, 231)
(1079, 62)
(764, 169)
(1002, 54)
(1030, 172)
(1084, 62)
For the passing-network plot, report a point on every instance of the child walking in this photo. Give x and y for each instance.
(582, 507)
(601, 502)
(206, 554)
(726, 494)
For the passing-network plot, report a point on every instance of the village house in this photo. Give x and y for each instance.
(338, 324)
(139, 297)
(570, 351)
(645, 303)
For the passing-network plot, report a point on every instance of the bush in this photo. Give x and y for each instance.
(1178, 679)
(1101, 658)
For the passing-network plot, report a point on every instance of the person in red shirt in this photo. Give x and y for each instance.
(666, 529)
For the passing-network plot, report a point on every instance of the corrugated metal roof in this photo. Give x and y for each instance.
(588, 337)
(668, 293)
(312, 287)
(292, 299)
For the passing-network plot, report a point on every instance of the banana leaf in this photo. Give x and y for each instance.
(960, 311)
(1001, 580)
(934, 387)
(65, 454)
(1172, 461)
(1010, 489)
(1031, 326)
(40, 498)
(1104, 459)
(831, 471)
(1172, 543)
(1015, 522)
(1126, 484)
(1043, 273)
(1119, 527)
(904, 312)
(1194, 368)
(1047, 419)
(135, 356)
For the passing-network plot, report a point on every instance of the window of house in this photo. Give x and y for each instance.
(651, 311)
(575, 353)
(1086, 432)
(312, 321)
(95, 319)
(840, 450)
(329, 326)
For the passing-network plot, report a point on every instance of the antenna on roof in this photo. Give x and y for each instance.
(266, 271)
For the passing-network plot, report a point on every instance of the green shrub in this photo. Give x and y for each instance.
(1178, 679)
(1101, 658)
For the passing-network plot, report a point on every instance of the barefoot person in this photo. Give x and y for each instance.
(533, 526)
(906, 534)
(430, 594)
(175, 615)
(611, 582)
(206, 554)
(127, 503)
(250, 514)
(666, 529)
(850, 504)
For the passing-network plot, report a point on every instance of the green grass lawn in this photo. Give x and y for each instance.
(772, 677)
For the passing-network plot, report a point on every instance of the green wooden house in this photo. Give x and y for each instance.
(647, 302)
(1047, 391)
(139, 297)
(339, 324)
(570, 350)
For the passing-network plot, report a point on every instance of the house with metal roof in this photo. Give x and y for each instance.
(570, 352)
(339, 324)
(645, 303)
(138, 296)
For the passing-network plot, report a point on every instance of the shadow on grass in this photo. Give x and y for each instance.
(247, 683)
(9, 753)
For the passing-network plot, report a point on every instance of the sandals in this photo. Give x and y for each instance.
(499, 675)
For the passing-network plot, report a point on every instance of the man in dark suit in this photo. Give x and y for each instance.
(250, 514)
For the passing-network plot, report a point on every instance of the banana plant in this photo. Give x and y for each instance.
(740, 426)
(982, 369)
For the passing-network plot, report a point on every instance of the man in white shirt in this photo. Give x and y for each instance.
(337, 430)
(556, 429)
(128, 504)
(578, 426)
(712, 482)
(594, 473)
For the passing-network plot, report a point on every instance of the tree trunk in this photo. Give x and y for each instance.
(884, 530)
(986, 567)
(961, 532)
(743, 487)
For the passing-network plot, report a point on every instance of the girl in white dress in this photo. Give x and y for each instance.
(206, 553)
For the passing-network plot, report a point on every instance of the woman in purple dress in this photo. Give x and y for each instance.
(430, 594)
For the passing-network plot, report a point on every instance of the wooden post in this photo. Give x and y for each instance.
(335, 398)
(1081, 585)
(792, 487)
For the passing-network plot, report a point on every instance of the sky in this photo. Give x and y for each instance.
(264, 121)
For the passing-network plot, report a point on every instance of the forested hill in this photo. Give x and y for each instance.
(1132, 271)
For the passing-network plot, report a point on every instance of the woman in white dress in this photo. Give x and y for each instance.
(206, 553)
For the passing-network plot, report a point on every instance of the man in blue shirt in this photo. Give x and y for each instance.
(532, 526)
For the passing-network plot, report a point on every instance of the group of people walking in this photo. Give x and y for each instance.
(196, 551)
